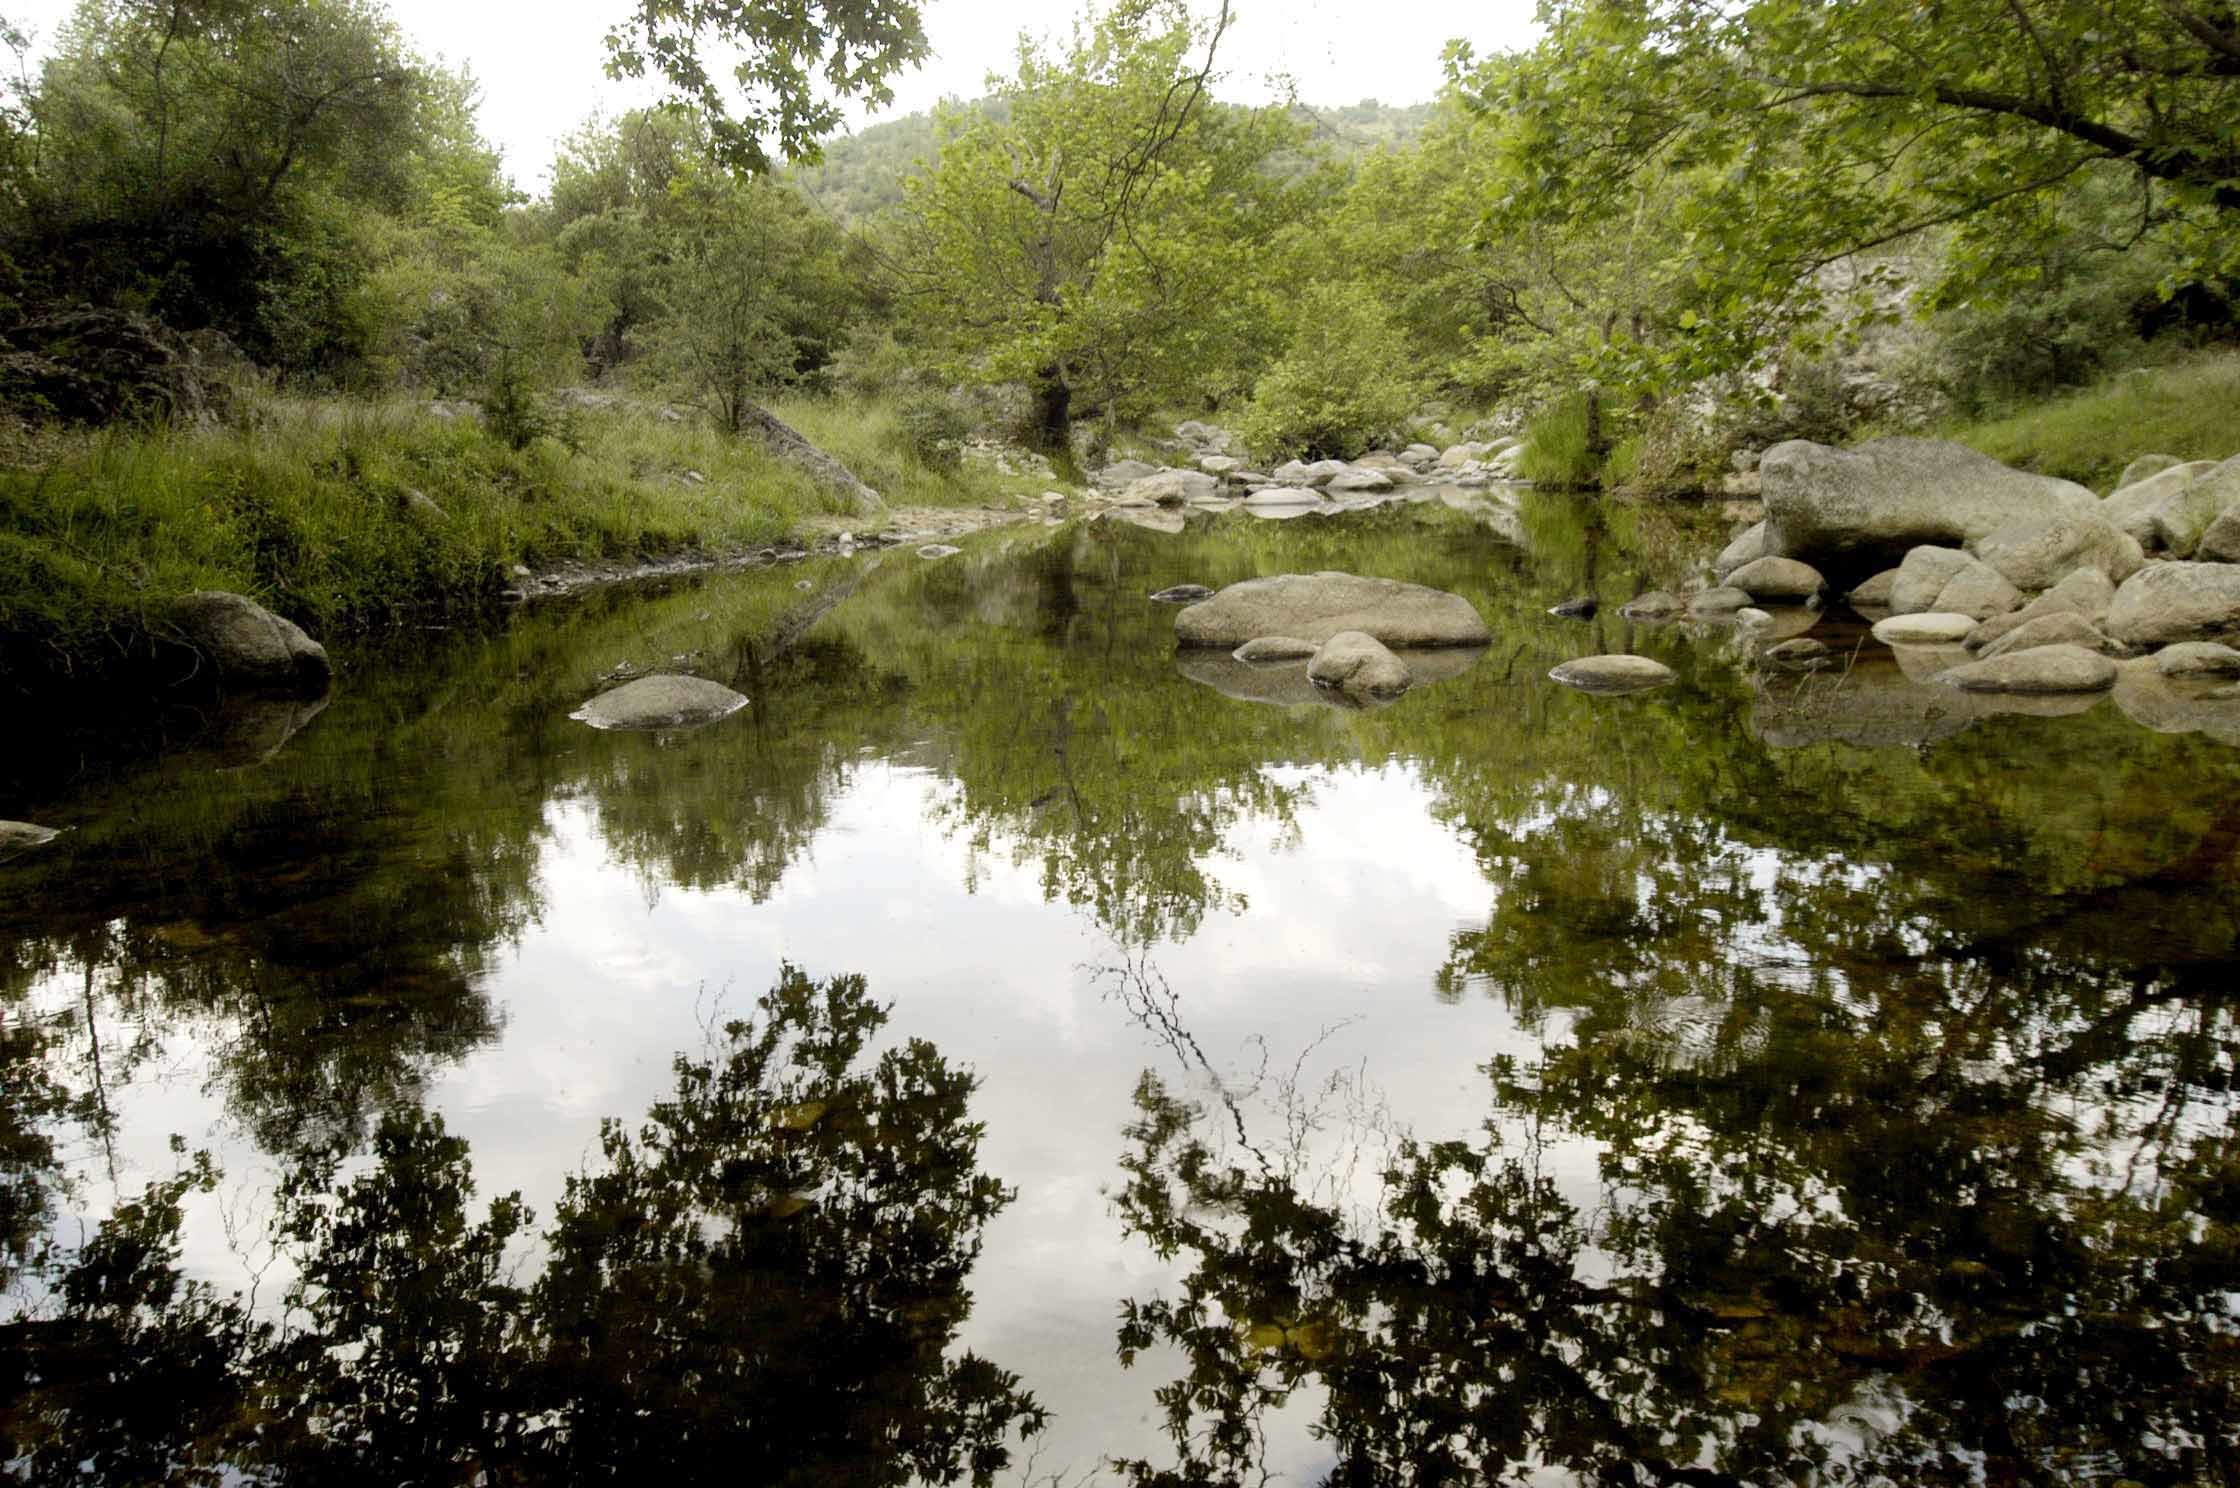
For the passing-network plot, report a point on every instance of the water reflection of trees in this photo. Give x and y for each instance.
(1937, 1226)
(761, 1282)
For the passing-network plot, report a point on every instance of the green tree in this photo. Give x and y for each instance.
(851, 47)
(1105, 233)
(1798, 134)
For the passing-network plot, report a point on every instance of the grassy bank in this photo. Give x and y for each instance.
(2189, 409)
(344, 515)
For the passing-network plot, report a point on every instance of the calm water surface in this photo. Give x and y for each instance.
(1004, 1053)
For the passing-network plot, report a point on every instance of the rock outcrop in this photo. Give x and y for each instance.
(1860, 509)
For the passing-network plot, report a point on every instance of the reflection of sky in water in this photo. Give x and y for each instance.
(1326, 976)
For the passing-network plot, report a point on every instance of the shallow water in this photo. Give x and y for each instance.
(1774, 1077)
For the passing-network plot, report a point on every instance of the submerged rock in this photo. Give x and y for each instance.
(1182, 594)
(2040, 669)
(1286, 685)
(1353, 661)
(249, 645)
(1613, 674)
(1315, 607)
(1275, 648)
(1870, 504)
(662, 701)
(2171, 705)
(1655, 605)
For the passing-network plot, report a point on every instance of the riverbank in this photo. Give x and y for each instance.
(346, 516)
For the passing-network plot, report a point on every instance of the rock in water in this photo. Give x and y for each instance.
(2085, 592)
(2198, 659)
(1924, 630)
(248, 644)
(18, 837)
(1874, 593)
(1576, 609)
(661, 701)
(1746, 549)
(1275, 648)
(1358, 664)
(1867, 506)
(1172, 487)
(1777, 578)
(1657, 604)
(2041, 669)
(2065, 628)
(2177, 602)
(1182, 594)
(1613, 674)
(1922, 577)
(1315, 607)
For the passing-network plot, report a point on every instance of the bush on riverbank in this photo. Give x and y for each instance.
(344, 515)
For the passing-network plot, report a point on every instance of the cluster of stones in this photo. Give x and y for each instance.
(1216, 476)
(1350, 631)
(2007, 582)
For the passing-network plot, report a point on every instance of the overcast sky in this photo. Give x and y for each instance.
(539, 63)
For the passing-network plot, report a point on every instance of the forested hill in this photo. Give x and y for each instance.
(862, 173)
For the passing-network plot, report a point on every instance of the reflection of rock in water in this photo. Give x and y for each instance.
(248, 731)
(2173, 706)
(1883, 701)
(1285, 684)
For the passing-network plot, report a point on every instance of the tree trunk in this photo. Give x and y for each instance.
(1053, 411)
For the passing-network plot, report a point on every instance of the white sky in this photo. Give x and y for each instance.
(539, 64)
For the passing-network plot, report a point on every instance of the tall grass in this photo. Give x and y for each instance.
(339, 515)
(2189, 409)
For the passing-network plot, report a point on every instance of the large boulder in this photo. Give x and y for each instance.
(2064, 629)
(1922, 577)
(2166, 602)
(1315, 607)
(2085, 592)
(661, 701)
(1746, 549)
(1777, 579)
(247, 644)
(2132, 507)
(1172, 487)
(2220, 543)
(2040, 669)
(1859, 509)
(1354, 662)
(2039, 552)
(2182, 520)
(1613, 674)
(2146, 465)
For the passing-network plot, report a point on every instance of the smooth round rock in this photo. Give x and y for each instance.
(1316, 607)
(1655, 605)
(2197, 659)
(1355, 662)
(1777, 578)
(1613, 674)
(249, 644)
(2040, 669)
(661, 702)
(1721, 601)
(1924, 630)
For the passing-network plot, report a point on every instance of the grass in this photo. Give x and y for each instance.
(2189, 409)
(310, 508)
(1555, 450)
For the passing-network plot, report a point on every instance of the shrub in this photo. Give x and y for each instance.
(935, 429)
(1556, 449)
(1341, 386)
